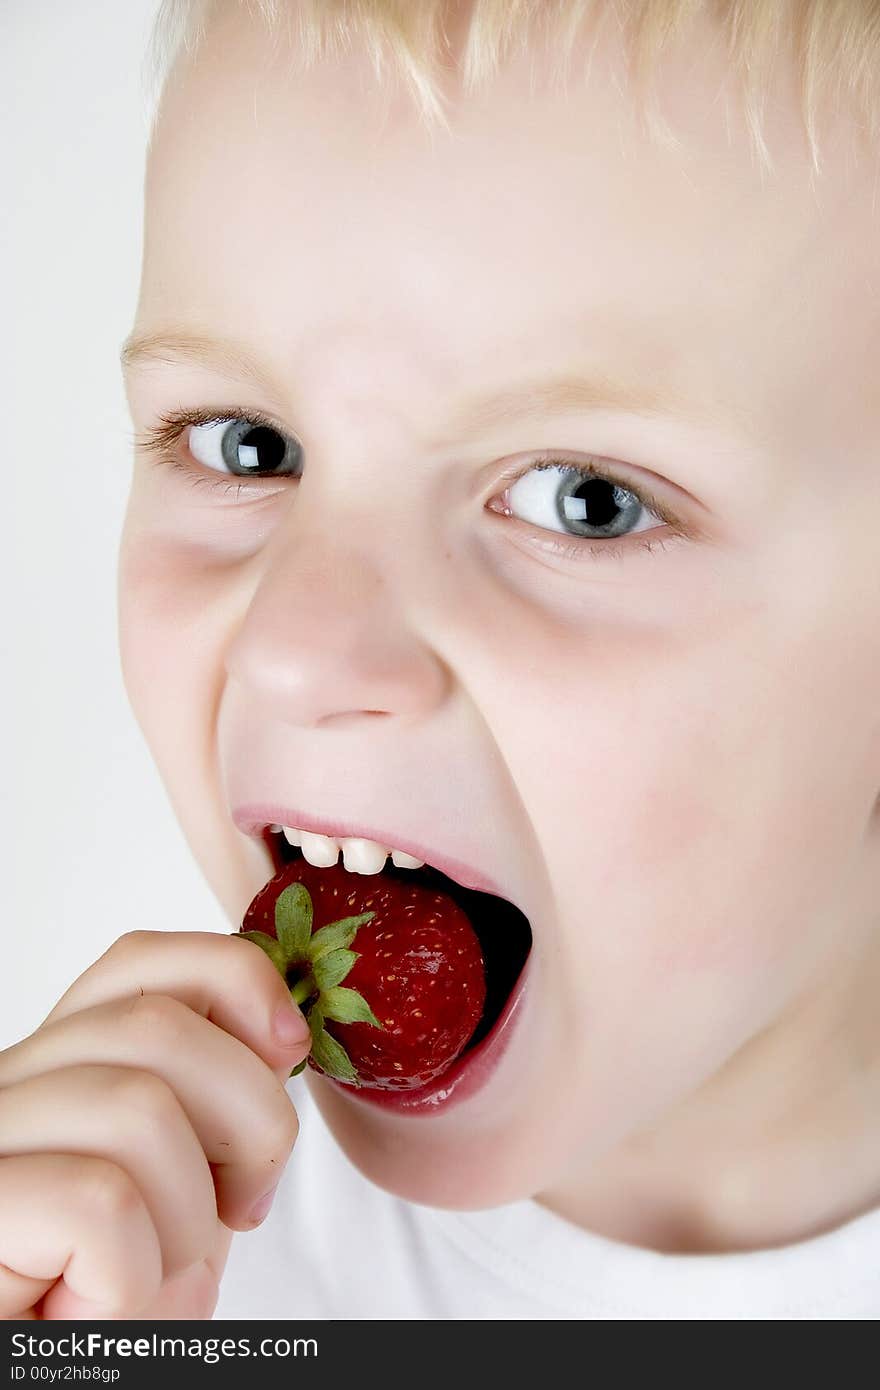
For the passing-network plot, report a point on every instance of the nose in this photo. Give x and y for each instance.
(325, 637)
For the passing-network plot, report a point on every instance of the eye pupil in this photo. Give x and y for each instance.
(596, 496)
(260, 449)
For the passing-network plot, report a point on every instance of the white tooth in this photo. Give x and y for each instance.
(276, 829)
(291, 835)
(320, 850)
(363, 856)
(405, 861)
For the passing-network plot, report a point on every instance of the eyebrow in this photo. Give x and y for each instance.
(228, 358)
(531, 399)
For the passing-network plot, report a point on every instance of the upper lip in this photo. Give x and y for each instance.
(252, 819)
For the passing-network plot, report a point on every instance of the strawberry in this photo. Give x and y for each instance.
(413, 991)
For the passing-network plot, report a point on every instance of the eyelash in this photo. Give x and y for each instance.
(160, 440)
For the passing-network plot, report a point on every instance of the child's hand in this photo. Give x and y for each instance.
(142, 1121)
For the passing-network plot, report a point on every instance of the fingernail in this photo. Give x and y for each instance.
(261, 1210)
(289, 1028)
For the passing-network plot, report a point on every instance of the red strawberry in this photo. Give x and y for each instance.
(414, 988)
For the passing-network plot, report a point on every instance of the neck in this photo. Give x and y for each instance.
(780, 1145)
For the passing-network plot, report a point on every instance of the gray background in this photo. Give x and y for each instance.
(90, 846)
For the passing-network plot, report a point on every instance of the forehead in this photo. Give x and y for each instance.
(315, 216)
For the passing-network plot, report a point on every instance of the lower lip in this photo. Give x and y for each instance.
(463, 1079)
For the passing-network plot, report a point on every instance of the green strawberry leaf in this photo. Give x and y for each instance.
(332, 1057)
(332, 969)
(336, 935)
(273, 949)
(293, 919)
(347, 1006)
(302, 1066)
(315, 1020)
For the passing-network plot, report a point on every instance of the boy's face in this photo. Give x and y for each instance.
(667, 758)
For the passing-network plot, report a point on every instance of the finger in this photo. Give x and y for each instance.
(80, 1220)
(227, 979)
(194, 1293)
(134, 1120)
(240, 1112)
(189, 1296)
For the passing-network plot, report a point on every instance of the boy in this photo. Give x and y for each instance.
(506, 496)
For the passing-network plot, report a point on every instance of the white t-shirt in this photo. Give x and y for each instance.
(520, 1261)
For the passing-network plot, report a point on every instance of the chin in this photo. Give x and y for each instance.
(465, 1159)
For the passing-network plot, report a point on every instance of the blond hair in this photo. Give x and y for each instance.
(836, 44)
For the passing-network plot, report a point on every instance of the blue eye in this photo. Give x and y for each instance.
(566, 497)
(590, 504)
(244, 448)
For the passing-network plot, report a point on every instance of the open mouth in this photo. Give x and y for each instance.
(504, 934)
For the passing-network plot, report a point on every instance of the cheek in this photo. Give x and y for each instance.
(158, 605)
(176, 614)
(175, 611)
(693, 821)
(183, 578)
(699, 834)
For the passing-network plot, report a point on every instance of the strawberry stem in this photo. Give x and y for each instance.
(301, 991)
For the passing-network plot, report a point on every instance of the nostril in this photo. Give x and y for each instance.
(346, 717)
